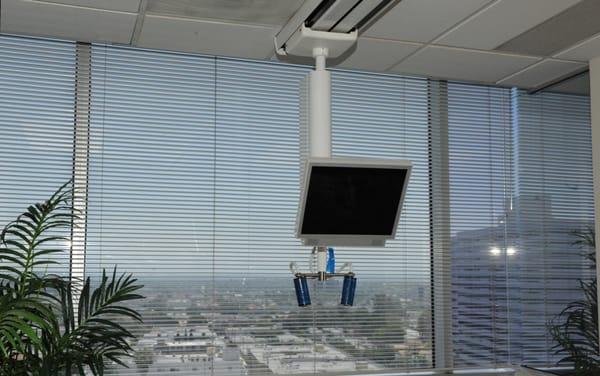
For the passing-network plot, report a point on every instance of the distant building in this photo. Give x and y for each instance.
(197, 365)
(509, 280)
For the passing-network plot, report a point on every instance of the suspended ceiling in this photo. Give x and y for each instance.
(525, 43)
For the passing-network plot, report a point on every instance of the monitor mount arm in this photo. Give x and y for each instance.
(325, 271)
(316, 99)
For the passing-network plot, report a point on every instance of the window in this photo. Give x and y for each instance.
(192, 177)
(194, 185)
(387, 117)
(37, 93)
(520, 185)
(553, 198)
(479, 136)
(151, 196)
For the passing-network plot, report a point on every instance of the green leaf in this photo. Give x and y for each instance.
(32, 304)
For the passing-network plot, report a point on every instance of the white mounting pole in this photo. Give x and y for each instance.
(320, 106)
(321, 259)
(319, 120)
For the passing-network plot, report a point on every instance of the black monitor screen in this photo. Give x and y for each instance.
(352, 200)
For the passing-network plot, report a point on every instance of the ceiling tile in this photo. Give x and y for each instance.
(541, 73)
(68, 22)
(461, 64)
(262, 12)
(558, 33)
(209, 37)
(118, 5)
(422, 20)
(378, 54)
(579, 85)
(503, 21)
(585, 51)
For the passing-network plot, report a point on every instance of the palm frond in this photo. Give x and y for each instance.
(94, 335)
(586, 240)
(25, 245)
(575, 328)
(41, 330)
(26, 242)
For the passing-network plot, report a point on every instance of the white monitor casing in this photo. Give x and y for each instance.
(354, 240)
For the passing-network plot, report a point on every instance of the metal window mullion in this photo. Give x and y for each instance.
(595, 125)
(80, 162)
(440, 225)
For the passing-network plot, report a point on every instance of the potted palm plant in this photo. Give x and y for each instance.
(51, 324)
(575, 328)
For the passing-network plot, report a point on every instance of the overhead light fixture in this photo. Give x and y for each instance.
(495, 251)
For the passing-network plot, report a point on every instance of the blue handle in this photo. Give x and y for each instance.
(330, 261)
(302, 294)
(347, 291)
(352, 291)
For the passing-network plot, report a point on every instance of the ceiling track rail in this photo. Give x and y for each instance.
(335, 23)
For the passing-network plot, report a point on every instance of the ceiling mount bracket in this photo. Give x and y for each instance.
(305, 41)
(331, 24)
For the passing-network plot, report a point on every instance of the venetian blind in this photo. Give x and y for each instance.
(194, 188)
(151, 205)
(553, 203)
(520, 185)
(37, 95)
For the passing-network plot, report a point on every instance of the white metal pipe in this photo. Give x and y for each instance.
(320, 114)
(320, 58)
(321, 259)
(320, 107)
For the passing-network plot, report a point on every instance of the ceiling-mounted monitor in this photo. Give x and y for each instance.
(351, 202)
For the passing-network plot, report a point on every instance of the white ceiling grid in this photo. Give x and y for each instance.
(448, 39)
